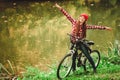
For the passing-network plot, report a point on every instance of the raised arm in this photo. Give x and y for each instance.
(98, 27)
(65, 13)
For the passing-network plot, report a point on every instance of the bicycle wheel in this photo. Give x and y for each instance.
(96, 58)
(65, 66)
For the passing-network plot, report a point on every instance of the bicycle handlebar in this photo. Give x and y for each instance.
(81, 40)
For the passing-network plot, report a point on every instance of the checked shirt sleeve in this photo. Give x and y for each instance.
(95, 27)
(67, 15)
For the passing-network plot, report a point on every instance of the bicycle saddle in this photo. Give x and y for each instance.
(90, 42)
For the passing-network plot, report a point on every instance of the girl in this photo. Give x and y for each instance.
(79, 28)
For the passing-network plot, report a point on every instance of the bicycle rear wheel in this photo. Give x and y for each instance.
(96, 58)
(65, 66)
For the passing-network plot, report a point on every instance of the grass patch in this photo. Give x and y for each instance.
(108, 69)
(105, 71)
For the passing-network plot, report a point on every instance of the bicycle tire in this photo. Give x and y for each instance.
(96, 58)
(61, 75)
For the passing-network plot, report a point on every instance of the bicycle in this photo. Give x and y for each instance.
(75, 59)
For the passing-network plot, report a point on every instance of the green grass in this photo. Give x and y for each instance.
(108, 69)
(105, 71)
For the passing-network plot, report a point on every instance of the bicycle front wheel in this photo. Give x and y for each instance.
(65, 66)
(96, 58)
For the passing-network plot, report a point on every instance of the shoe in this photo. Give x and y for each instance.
(79, 63)
(94, 71)
(86, 71)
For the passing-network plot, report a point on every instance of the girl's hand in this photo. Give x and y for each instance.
(108, 28)
(56, 5)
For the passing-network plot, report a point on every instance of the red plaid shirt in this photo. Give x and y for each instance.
(81, 33)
